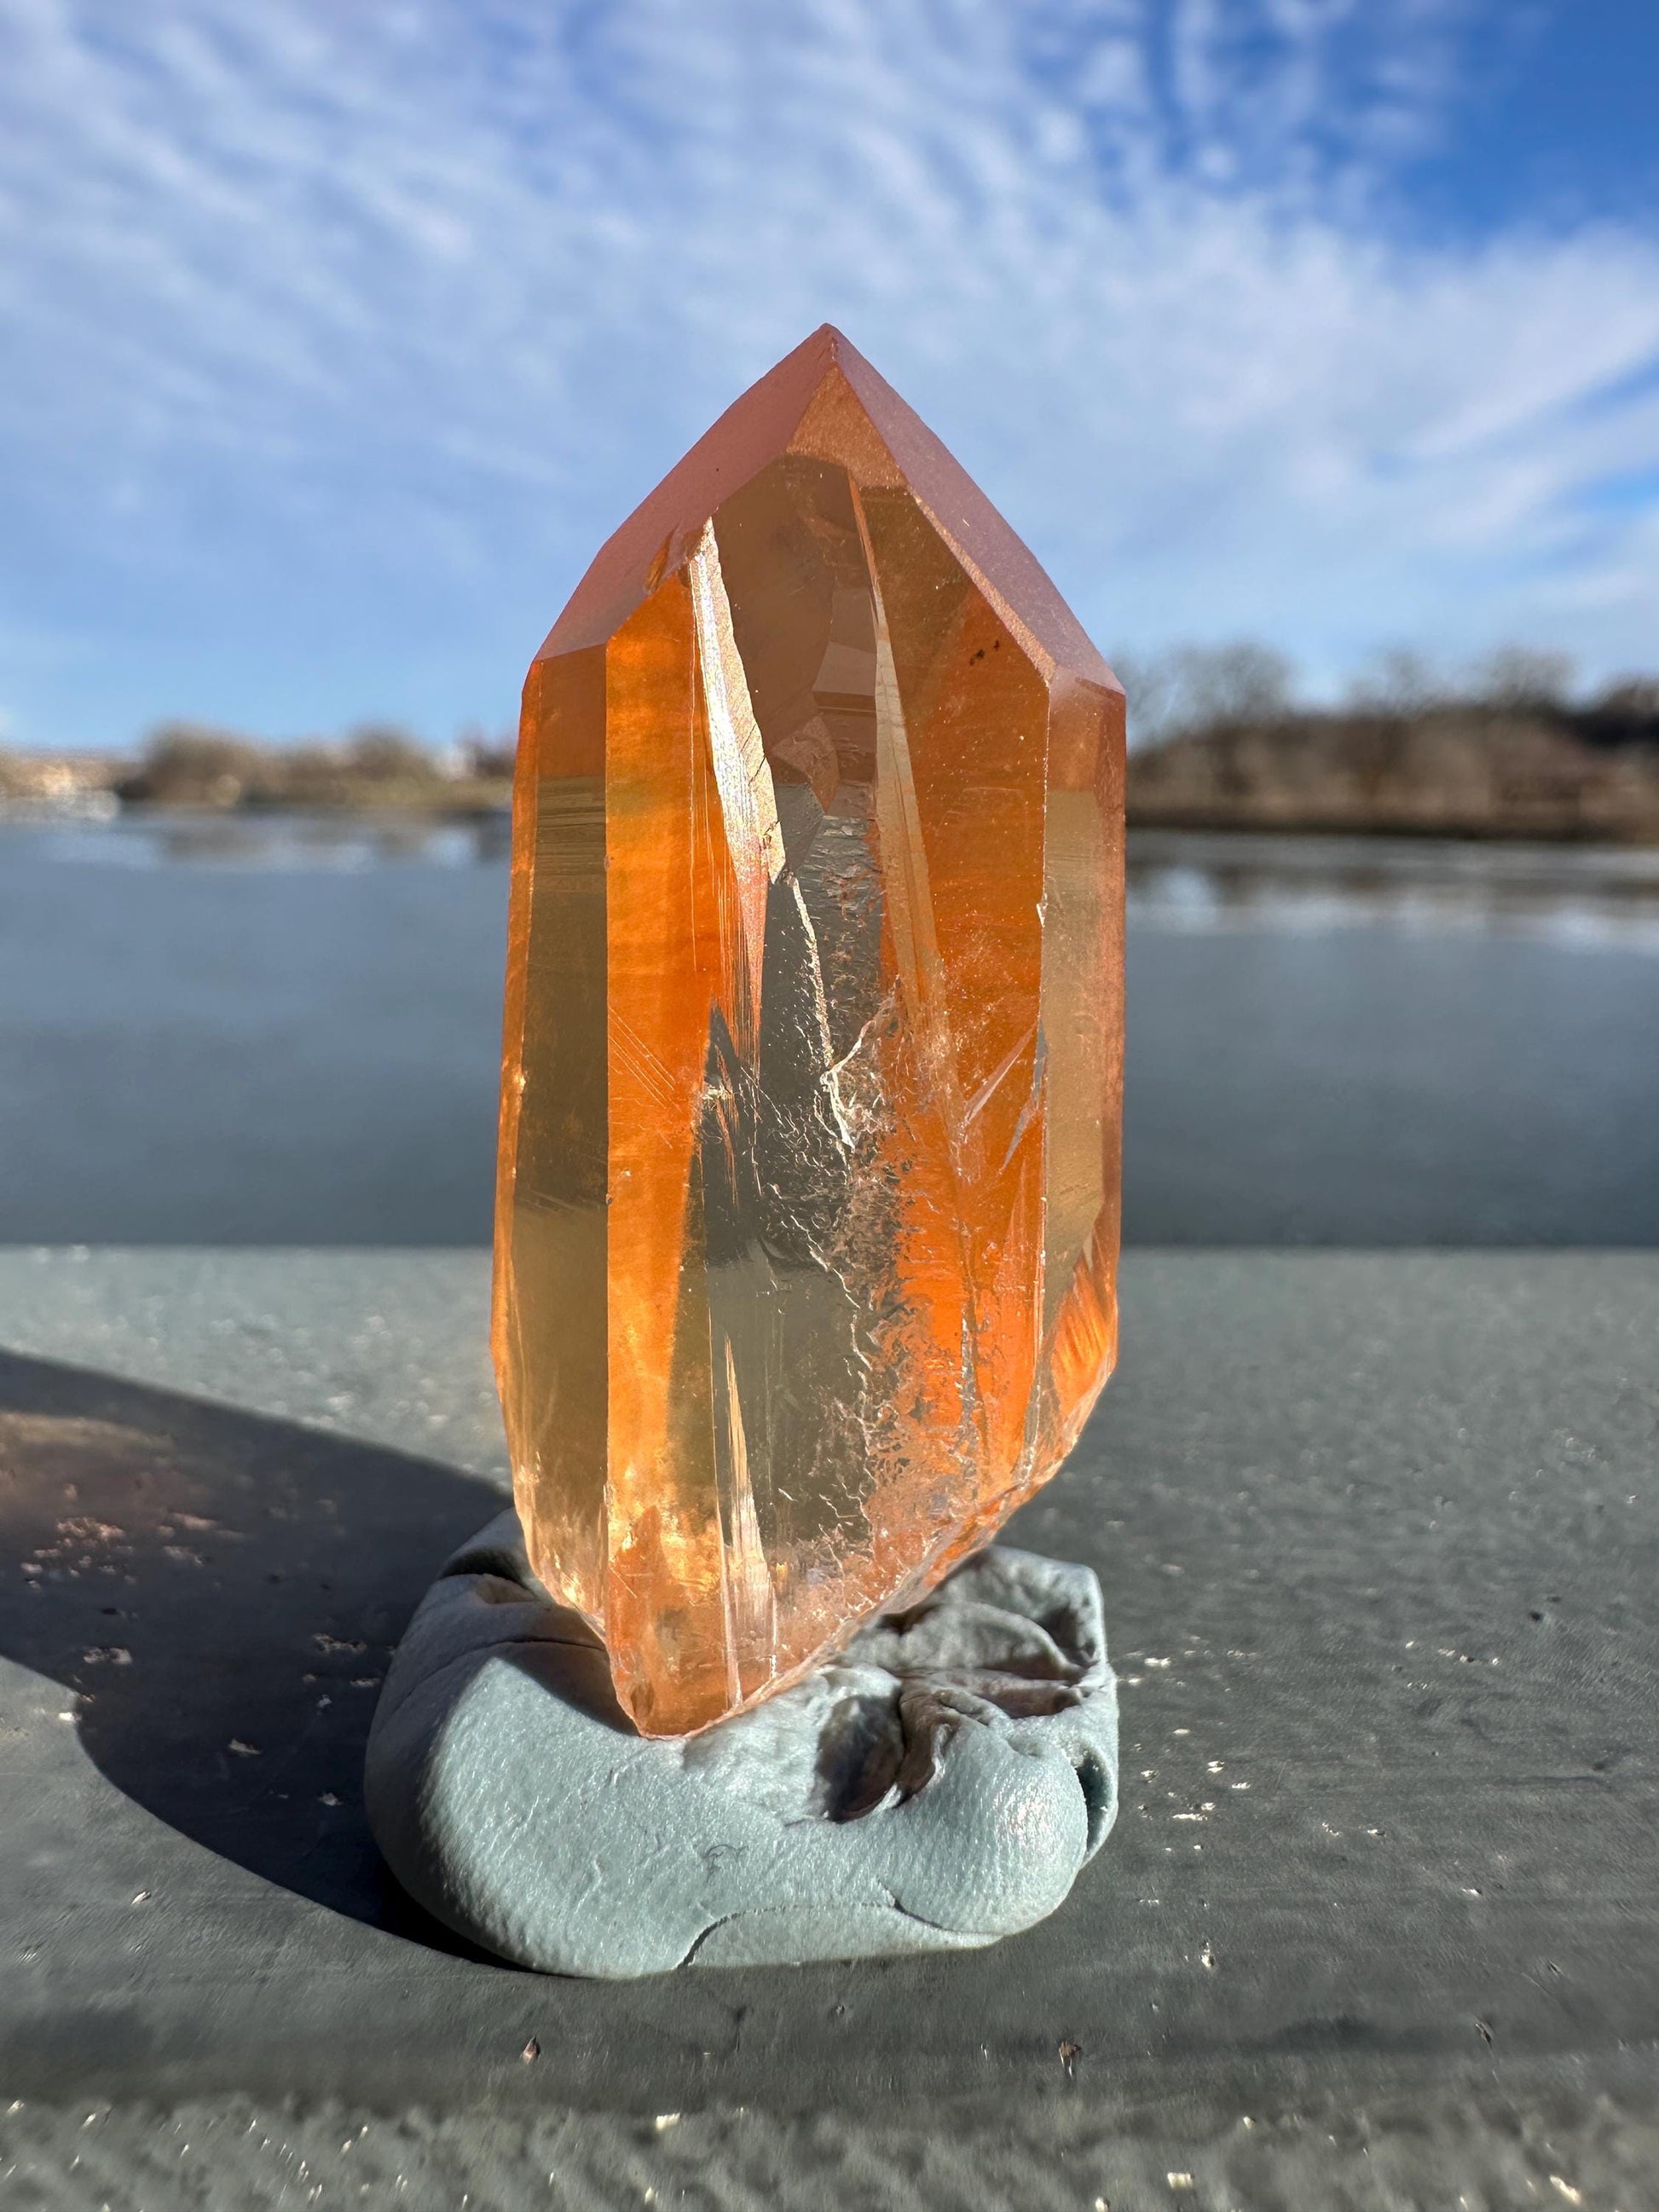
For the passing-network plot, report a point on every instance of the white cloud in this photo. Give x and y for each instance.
(349, 325)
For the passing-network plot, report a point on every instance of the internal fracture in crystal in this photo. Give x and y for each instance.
(806, 1233)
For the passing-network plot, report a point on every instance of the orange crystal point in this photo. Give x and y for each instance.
(806, 1227)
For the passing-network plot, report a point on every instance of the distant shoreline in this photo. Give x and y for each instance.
(1471, 770)
(466, 803)
(1469, 829)
(494, 803)
(1468, 771)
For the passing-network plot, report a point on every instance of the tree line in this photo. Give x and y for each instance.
(1509, 747)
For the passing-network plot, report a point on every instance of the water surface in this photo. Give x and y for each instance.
(282, 1031)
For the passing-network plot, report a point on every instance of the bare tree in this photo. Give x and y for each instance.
(1234, 685)
(386, 754)
(1145, 679)
(1399, 681)
(1193, 688)
(1521, 678)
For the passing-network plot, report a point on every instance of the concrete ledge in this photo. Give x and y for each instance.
(1379, 1536)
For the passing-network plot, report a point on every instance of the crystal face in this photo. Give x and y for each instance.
(806, 1230)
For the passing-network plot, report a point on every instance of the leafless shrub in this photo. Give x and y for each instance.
(386, 754)
(194, 764)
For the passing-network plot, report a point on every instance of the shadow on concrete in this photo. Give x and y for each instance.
(222, 1591)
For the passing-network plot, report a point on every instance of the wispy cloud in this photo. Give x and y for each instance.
(335, 339)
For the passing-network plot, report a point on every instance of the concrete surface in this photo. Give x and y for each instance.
(1453, 2150)
(1378, 1539)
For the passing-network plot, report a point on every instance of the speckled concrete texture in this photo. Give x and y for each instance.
(1444, 2150)
(938, 1785)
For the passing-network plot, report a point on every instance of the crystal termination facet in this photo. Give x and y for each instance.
(806, 1229)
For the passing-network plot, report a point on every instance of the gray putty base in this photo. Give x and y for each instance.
(939, 1784)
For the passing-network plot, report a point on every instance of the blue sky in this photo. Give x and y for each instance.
(334, 338)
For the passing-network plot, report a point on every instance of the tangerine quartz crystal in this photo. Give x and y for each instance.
(806, 1233)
